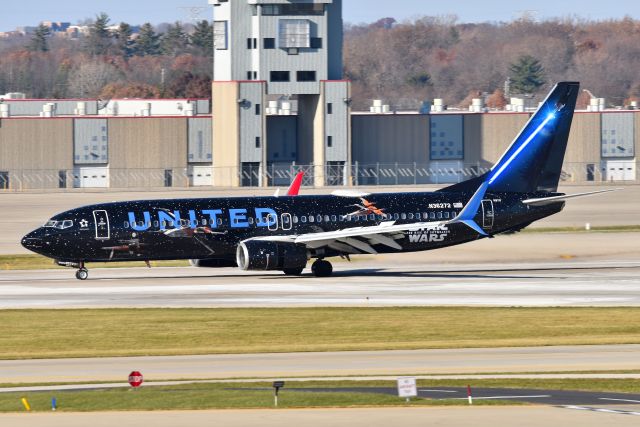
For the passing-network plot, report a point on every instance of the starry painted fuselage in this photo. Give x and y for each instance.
(212, 228)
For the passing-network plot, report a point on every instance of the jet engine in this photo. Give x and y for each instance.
(264, 255)
(213, 263)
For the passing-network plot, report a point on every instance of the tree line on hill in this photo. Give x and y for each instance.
(408, 62)
(111, 64)
(403, 63)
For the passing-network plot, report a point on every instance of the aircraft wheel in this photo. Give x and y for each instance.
(321, 268)
(293, 271)
(82, 274)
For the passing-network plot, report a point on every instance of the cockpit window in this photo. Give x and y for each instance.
(60, 225)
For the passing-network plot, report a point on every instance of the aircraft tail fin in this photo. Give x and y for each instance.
(533, 162)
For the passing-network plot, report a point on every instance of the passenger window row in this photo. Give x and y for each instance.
(430, 216)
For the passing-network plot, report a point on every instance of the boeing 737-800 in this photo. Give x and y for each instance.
(284, 233)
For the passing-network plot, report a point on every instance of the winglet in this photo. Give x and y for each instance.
(468, 213)
(294, 188)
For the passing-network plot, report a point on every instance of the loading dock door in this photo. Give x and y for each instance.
(101, 220)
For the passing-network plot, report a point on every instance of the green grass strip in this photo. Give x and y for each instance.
(219, 396)
(137, 332)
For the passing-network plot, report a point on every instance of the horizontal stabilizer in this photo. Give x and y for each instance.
(542, 201)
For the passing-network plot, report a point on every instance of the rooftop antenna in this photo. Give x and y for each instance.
(193, 12)
(530, 15)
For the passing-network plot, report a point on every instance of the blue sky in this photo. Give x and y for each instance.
(29, 12)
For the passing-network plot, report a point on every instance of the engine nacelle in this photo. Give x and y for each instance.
(213, 263)
(263, 255)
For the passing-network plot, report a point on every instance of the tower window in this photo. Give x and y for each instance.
(306, 76)
(220, 37)
(280, 76)
(329, 141)
(315, 43)
(294, 33)
(269, 43)
(329, 108)
(257, 142)
(258, 109)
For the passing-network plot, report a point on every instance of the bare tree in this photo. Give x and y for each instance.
(89, 78)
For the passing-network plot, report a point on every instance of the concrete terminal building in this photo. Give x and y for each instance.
(279, 104)
(270, 55)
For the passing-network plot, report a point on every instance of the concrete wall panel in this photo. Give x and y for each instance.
(33, 151)
(498, 132)
(149, 144)
(618, 134)
(226, 138)
(90, 141)
(584, 139)
(337, 123)
(390, 138)
(199, 147)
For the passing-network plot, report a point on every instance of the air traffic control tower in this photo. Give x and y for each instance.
(278, 95)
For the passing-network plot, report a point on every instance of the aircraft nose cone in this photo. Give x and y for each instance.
(33, 241)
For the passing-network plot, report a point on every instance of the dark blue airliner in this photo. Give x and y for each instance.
(284, 233)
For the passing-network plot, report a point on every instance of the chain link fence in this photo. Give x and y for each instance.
(332, 174)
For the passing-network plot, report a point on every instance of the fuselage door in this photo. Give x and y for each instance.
(285, 221)
(101, 220)
(487, 214)
(272, 220)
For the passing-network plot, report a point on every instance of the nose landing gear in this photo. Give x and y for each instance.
(82, 274)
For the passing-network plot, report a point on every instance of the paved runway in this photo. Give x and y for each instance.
(271, 365)
(565, 283)
(352, 417)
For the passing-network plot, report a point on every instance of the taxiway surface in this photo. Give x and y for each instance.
(352, 417)
(367, 283)
(345, 363)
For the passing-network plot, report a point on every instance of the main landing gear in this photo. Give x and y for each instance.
(321, 268)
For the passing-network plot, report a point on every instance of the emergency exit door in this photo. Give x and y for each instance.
(101, 221)
(487, 214)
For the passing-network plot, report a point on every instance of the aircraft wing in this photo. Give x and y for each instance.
(357, 240)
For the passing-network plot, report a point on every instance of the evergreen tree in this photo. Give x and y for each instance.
(527, 75)
(39, 41)
(202, 38)
(148, 42)
(99, 39)
(175, 40)
(124, 43)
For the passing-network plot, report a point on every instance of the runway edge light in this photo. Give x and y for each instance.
(54, 403)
